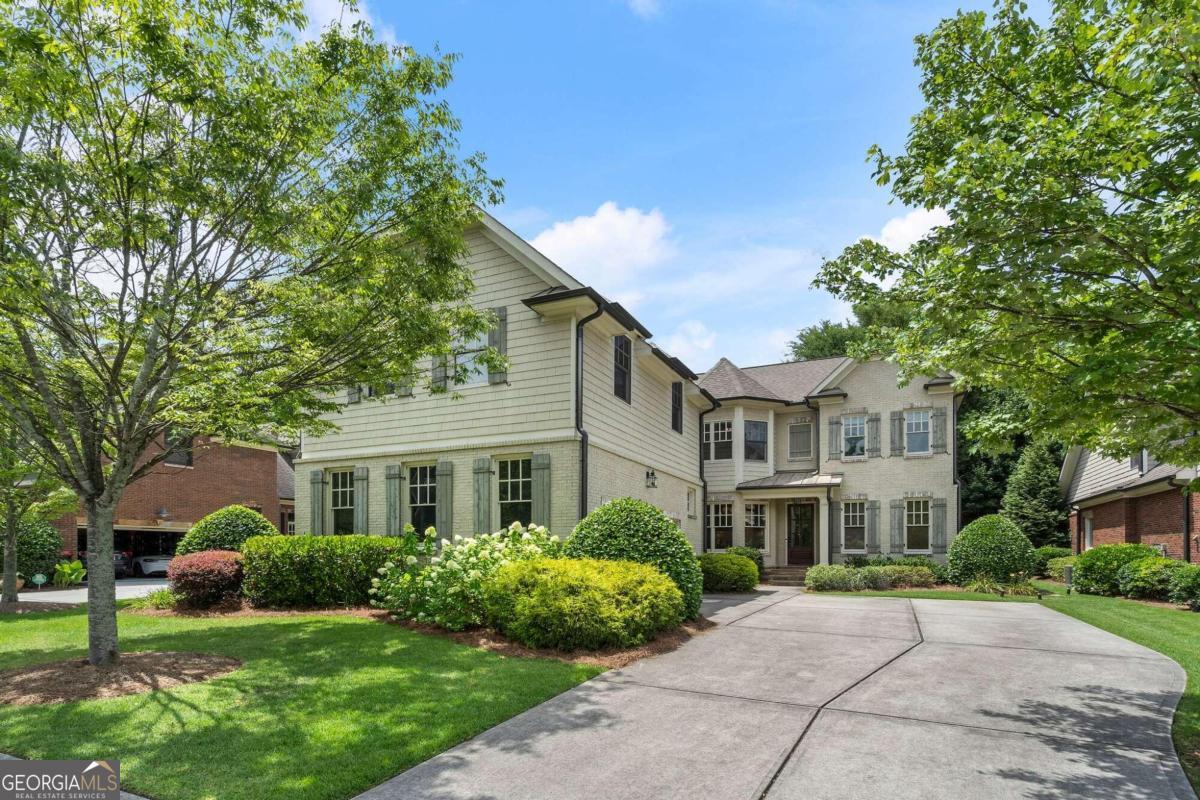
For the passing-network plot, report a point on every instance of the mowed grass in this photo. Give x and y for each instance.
(323, 706)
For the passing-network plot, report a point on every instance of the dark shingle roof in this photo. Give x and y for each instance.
(790, 382)
(725, 380)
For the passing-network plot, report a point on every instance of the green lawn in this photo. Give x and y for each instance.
(323, 707)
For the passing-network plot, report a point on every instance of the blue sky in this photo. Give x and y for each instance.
(693, 159)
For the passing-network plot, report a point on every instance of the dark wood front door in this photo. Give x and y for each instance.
(801, 533)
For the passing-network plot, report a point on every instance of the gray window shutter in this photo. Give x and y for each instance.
(873, 447)
(938, 521)
(835, 527)
(498, 340)
(541, 489)
(897, 526)
(872, 526)
(394, 474)
(353, 393)
(440, 368)
(835, 439)
(362, 522)
(937, 436)
(483, 495)
(444, 512)
(897, 440)
(316, 485)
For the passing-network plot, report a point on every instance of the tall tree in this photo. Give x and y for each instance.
(1066, 157)
(1032, 499)
(990, 440)
(208, 226)
(827, 338)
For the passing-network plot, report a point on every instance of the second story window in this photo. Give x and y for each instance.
(718, 440)
(422, 496)
(854, 436)
(800, 440)
(756, 440)
(677, 406)
(916, 431)
(342, 485)
(623, 368)
(466, 356)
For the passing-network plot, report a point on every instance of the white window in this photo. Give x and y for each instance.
(756, 525)
(720, 522)
(467, 355)
(854, 526)
(800, 440)
(916, 525)
(718, 440)
(342, 496)
(422, 496)
(691, 503)
(755, 440)
(854, 436)
(291, 525)
(1089, 533)
(916, 431)
(516, 491)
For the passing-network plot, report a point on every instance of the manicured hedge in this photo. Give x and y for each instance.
(752, 553)
(993, 547)
(1096, 570)
(840, 578)
(39, 548)
(205, 579)
(1056, 568)
(315, 571)
(1043, 555)
(1185, 586)
(1148, 578)
(588, 604)
(626, 529)
(726, 572)
(226, 528)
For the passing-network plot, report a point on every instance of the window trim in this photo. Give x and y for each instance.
(798, 423)
(710, 439)
(765, 441)
(928, 501)
(766, 526)
(711, 522)
(845, 436)
(862, 516)
(910, 412)
(690, 503)
(1089, 533)
(431, 488)
(346, 491)
(497, 504)
(623, 353)
(677, 406)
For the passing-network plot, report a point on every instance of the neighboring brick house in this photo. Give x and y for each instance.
(814, 461)
(157, 509)
(1130, 500)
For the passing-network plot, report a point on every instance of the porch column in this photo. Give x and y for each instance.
(826, 531)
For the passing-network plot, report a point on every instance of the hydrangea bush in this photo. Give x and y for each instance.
(448, 591)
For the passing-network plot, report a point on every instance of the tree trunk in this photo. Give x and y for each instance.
(9, 594)
(102, 585)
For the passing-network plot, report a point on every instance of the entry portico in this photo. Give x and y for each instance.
(803, 510)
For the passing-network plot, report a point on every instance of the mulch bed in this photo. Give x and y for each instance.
(134, 673)
(25, 607)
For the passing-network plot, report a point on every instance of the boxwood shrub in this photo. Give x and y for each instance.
(752, 553)
(39, 548)
(1056, 568)
(207, 578)
(1096, 569)
(727, 572)
(316, 571)
(1185, 586)
(226, 528)
(1043, 555)
(588, 604)
(830, 578)
(626, 529)
(1148, 578)
(991, 546)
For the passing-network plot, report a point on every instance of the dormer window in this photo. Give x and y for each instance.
(623, 368)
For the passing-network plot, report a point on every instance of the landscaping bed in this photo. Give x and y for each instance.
(136, 673)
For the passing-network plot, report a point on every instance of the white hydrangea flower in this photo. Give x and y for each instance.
(411, 560)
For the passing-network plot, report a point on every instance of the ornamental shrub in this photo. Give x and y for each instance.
(727, 572)
(38, 548)
(448, 591)
(752, 553)
(318, 571)
(908, 576)
(829, 578)
(1185, 586)
(1148, 578)
(991, 546)
(873, 579)
(207, 578)
(226, 528)
(1056, 567)
(573, 604)
(1043, 555)
(1096, 569)
(633, 530)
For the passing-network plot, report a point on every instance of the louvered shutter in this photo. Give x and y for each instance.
(394, 485)
(873, 446)
(316, 485)
(873, 526)
(444, 511)
(897, 438)
(835, 527)
(541, 489)
(897, 545)
(938, 435)
(938, 521)
(482, 494)
(362, 495)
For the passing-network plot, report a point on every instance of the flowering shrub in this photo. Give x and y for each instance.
(449, 590)
(207, 578)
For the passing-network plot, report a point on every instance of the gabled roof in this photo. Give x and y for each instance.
(726, 382)
(787, 382)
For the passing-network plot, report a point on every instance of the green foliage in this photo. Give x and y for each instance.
(827, 339)
(984, 584)
(1185, 586)
(1033, 500)
(157, 600)
(829, 578)
(869, 578)
(990, 546)
(69, 573)
(225, 529)
(626, 529)
(447, 589)
(840, 578)
(989, 436)
(1064, 154)
(207, 578)
(1020, 586)
(38, 547)
(752, 553)
(728, 572)
(1096, 570)
(903, 576)
(317, 571)
(1148, 578)
(588, 604)
(1056, 568)
(1042, 556)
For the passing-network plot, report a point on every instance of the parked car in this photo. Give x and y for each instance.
(122, 564)
(145, 566)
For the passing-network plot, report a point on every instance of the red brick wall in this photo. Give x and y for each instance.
(1152, 519)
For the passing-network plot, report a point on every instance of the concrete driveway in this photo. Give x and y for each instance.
(810, 696)
(127, 589)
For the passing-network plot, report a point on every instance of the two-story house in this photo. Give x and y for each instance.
(814, 461)
(588, 410)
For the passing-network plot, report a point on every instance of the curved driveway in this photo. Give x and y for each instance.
(810, 696)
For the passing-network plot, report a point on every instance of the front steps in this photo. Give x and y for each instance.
(784, 576)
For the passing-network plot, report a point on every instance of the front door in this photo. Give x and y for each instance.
(801, 533)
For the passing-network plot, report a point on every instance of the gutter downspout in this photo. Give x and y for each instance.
(1187, 520)
(583, 434)
(703, 509)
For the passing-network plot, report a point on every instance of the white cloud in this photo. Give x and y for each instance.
(322, 13)
(645, 8)
(607, 248)
(693, 342)
(901, 233)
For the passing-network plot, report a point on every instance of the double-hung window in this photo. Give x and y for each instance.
(854, 436)
(916, 431)
(422, 496)
(854, 526)
(720, 522)
(718, 440)
(756, 525)
(342, 496)
(916, 525)
(756, 441)
(623, 368)
(677, 406)
(800, 440)
(466, 357)
(515, 491)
